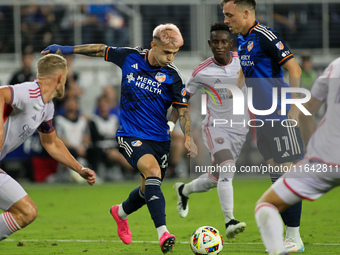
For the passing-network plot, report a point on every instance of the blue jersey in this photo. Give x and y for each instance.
(146, 94)
(262, 53)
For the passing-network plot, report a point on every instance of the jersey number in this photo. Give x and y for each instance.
(164, 159)
(278, 143)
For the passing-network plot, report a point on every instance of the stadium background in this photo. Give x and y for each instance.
(310, 27)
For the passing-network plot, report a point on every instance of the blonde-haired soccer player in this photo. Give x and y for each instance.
(150, 84)
(24, 108)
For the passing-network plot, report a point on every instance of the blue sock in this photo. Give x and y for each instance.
(292, 215)
(155, 200)
(135, 201)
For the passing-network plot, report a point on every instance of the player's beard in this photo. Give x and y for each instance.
(60, 92)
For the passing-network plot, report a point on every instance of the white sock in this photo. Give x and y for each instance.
(270, 226)
(8, 225)
(201, 184)
(161, 230)
(294, 233)
(121, 212)
(225, 190)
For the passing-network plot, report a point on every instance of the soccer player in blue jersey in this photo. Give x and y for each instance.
(150, 85)
(262, 55)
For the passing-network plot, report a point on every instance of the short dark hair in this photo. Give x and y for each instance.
(219, 26)
(248, 3)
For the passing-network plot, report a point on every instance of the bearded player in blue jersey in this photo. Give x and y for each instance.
(150, 85)
(262, 55)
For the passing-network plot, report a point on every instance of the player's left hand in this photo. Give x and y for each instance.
(88, 175)
(55, 48)
(190, 145)
(293, 114)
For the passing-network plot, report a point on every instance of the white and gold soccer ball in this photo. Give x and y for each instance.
(206, 240)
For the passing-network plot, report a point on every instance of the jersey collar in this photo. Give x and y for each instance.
(251, 29)
(40, 91)
(231, 59)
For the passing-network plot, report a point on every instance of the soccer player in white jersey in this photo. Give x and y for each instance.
(224, 141)
(24, 108)
(314, 175)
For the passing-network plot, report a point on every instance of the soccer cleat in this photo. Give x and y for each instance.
(234, 227)
(292, 247)
(182, 201)
(123, 228)
(167, 241)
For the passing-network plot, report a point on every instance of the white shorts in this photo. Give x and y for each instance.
(216, 139)
(307, 180)
(10, 191)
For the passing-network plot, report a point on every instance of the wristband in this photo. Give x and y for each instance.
(171, 125)
(64, 49)
(67, 49)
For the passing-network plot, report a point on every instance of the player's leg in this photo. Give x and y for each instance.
(206, 181)
(291, 216)
(280, 146)
(136, 197)
(269, 221)
(288, 190)
(203, 183)
(149, 167)
(225, 160)
(19, 209)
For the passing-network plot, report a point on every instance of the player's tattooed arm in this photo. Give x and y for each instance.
(185, 123)
(184, 120)
(92, 50)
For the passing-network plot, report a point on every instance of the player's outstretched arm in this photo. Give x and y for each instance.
(307, 121)
(56, 148)
(92, 50)
(185, 123)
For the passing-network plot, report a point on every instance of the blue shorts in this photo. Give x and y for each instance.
(134, 148)
(283, 144)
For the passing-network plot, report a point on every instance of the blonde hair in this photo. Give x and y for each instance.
(168, 34)
(49, 64)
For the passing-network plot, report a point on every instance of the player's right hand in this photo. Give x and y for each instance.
(88, 175)
(191, 147)
(55, 48)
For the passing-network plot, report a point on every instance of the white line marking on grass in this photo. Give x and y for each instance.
(118, 241)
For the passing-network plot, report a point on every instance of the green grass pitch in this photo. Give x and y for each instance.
(74, 219)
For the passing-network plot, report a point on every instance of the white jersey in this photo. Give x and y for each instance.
(72, 131)
(207, 76)
(24, 115)
(324, 145)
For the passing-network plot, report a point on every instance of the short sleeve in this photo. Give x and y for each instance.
(179, 94)
(320, 86)
(117, 55)
(273, 46)
(18, 97)
(49, 111)
(191, 86)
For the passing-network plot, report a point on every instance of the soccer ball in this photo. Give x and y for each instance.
(206, 240)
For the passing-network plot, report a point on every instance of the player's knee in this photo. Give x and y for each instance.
(153, 172)
(28, 214)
